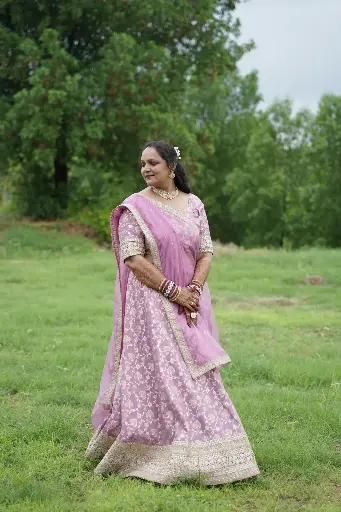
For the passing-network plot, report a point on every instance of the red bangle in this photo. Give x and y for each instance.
(163, 286)
(195, 288)
(169, 289)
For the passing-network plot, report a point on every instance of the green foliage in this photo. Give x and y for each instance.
(83, 87)
(265, 191)
(287, 192)
(226, 110)
(324, 200)
(98, 219)
(86, 87)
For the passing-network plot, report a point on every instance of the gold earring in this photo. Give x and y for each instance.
(172, 174)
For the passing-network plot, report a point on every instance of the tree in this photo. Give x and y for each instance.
(224, 114)
(84, 85)
(266, 189)
(323, 198)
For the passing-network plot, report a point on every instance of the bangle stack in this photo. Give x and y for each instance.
(175, 294)
(197, 283)
(170, 290)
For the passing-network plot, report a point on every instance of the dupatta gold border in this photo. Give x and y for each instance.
(118, 333)
(106, 400)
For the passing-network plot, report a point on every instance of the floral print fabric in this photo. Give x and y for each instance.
(157, 404)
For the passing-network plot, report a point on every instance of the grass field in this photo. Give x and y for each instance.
(282, 333)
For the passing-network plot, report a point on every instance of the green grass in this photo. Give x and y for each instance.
(282, 333)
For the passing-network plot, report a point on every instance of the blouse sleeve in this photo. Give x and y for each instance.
(205, 236)
(131, 237)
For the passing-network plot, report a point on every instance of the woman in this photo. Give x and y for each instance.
(162, 413)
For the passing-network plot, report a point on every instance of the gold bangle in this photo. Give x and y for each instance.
(173, 296)
(176, 295)
(162, 284)
(179, 291)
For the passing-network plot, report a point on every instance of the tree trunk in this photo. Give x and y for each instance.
(61, 170)
(61, 182)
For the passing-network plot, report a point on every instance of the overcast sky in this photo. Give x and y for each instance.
(298, 52)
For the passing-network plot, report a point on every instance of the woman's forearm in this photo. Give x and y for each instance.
(151, 276)
(145, 271)
(202, 268)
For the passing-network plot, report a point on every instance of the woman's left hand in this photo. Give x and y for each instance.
(189, 319)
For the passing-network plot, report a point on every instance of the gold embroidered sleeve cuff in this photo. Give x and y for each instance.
(132, 247)
(206, 243)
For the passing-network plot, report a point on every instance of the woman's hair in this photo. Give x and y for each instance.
(168, 153)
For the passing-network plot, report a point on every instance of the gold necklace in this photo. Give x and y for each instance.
(164, 194)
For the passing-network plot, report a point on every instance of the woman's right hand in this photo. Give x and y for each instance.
(188, 300)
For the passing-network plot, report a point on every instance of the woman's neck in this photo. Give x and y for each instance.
(167, 188)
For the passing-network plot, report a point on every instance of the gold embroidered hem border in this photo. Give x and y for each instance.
(219, 461)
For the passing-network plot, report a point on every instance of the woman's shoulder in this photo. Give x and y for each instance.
(195, 200)
(143, 192)
(131, 199)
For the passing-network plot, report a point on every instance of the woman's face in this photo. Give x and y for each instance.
(154, 169)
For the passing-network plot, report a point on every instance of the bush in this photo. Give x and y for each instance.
(99, 220)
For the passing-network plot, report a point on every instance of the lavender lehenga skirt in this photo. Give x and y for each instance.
(163, 422)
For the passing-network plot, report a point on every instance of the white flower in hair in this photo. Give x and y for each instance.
(177, 152)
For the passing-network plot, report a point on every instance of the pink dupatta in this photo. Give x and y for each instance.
(199, 345)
